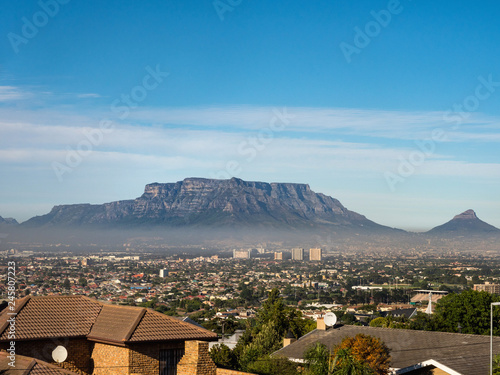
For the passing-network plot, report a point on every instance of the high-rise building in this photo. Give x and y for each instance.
(163, 273)
(488, 287)
(298, 254)
(315, 254)
(278, 255)
(242, 254)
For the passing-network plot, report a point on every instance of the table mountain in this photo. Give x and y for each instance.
(466, 223)
(214, 203)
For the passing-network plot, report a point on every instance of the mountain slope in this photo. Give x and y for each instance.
(214, 203)
(466, 223)
(8, 221)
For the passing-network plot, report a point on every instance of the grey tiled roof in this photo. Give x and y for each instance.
(466, 354)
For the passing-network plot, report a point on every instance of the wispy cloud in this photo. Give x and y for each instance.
(374, 123)
(88, 95)
(12, 93)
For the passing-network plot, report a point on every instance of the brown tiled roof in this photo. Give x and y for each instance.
(466, 354)
(79, 316)
(156, 326)
(116, 323)
(54, 316)
(29, 366)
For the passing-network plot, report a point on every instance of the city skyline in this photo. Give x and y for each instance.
(391, 107)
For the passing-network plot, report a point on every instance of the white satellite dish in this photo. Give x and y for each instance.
(330, 319)
(59, 354)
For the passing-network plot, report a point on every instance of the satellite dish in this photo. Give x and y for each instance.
(59, 354)
(330, 319)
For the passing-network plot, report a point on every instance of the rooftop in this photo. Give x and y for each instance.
(79, 316)
(466, 354)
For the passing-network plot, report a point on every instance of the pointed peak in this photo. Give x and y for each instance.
(469, 214)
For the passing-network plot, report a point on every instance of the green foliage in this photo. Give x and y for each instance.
(496, 364)
(348, 318)
(317, 359)
(223, 356)
(470, 309)
(345, 363)
(267, 341)
(267, 365)
(320, 361)
(379, 322)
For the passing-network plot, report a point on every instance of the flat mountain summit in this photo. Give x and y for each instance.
(465, 223)
(214, 203)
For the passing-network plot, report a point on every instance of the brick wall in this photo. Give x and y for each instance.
(144, 359)
(79, 351)
(110, 360)
(196, 360)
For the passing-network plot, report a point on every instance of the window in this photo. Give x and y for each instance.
(169, 358)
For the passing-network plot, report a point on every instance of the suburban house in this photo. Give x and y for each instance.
(105, 339)
(412, 352)
(29, 366)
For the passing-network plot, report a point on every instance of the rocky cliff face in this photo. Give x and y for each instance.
(207, 202)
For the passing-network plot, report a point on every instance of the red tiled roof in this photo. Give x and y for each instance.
(77, 316)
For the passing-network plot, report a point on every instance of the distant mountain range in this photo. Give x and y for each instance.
(198, 202)
(221, 208)
(8, 221)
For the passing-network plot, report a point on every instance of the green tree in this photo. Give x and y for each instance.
(470, 309)
(345, 363)
(268, 365)
(317, 359)
(267, 341)
(223, 356)
(66, 284)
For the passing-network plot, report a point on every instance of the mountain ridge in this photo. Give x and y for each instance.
(209, 202)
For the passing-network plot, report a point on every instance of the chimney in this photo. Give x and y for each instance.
(289, 339)
(320, 324)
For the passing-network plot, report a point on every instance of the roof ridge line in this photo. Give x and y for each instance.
(18, 307)
(135, 324)
(30, 367)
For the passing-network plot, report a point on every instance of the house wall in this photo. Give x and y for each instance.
(428, 370)
(110, 359)
(145, 358)
(79, 351)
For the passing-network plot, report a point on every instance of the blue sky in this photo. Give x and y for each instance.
(392, 107)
